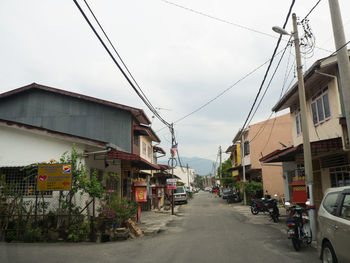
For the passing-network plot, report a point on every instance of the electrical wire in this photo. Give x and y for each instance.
(226, 90)
(312, 9)
(335, 52)
(219, 19)
(122, 61)
(229, 22)
(286, 76)
(268, 139)
(140, 94)
(268, 69)
(269, 84)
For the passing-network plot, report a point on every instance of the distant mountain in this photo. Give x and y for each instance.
(202, 166)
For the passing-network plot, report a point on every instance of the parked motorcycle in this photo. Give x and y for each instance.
(299, 230)
(265, 206)
(258, 206)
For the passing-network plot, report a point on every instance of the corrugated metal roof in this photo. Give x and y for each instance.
(139, 114)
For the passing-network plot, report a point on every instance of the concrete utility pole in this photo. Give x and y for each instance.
(188, 176)
(243, 166)
(305, 130)
(172, 168)
(342, 57)
(220, 174)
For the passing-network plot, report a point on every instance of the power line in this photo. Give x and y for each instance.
(223, 92)
(312, 9)
(141, 95)
(218, 19)
(268, 69)
(335, 52)
(229, 22)
(269, 84)
(226, 90)
(268, 139)
(110, 42)
(261, 128)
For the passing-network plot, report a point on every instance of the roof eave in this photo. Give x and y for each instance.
(280, 105)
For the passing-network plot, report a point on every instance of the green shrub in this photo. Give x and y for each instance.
(10, 236)
(32, 235)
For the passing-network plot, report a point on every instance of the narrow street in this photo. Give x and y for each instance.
(205, 230)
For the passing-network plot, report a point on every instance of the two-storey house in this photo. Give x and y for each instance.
(38, 123)
(327, 129)
(254, 142)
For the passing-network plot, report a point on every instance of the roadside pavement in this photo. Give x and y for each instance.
(264, 218)
(156, 221)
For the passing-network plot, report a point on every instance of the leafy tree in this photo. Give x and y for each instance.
(199, 181)
(227, 178)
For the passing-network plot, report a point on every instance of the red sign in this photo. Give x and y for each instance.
(171, 183)
(141, 194)
(171, 187)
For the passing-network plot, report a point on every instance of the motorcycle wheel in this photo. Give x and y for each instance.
(254, 210)
(275, 215)
(296, 244)
(275, 218)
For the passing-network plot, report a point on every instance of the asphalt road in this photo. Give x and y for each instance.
(206, 230)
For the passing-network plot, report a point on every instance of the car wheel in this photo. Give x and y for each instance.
(328, 254)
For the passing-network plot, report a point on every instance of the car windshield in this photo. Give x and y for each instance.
(179, 190)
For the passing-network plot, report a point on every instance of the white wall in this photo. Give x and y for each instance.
(184, 176)
(147, 156)
(326, 130)
(287, 166)
(20, 147)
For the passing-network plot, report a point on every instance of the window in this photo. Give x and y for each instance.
(298, 122)
(246, 148)
(340, 176)
(330, 203)
(345, 208)
(149, 152)
(144, 149)
(320, 107)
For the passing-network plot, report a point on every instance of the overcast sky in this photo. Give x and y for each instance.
(180, 59)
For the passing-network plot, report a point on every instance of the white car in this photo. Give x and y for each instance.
(333, 239)
(180, 195)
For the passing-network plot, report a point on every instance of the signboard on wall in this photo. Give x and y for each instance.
(54, 177)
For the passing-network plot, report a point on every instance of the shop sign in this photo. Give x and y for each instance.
(54, 177)
(171, 183)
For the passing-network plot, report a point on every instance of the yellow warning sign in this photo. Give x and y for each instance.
(54, 177)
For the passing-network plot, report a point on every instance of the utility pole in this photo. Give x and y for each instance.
(243, 166)
(188, 176)
(305, 129)
(172, 167)
(342, 57)
(220, 173)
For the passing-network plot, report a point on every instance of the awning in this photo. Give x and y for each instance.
(288, 154)
(158, 149)
(136, 160)
(146, 131)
